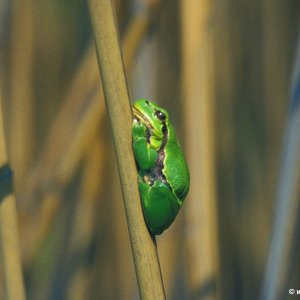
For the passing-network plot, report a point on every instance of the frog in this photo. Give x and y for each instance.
(163, 174)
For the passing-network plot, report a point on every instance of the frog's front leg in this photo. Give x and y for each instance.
(144, 153)
(160, 205)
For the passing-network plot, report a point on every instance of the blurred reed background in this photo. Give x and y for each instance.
(222, 68)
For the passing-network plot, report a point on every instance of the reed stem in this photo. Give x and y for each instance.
(9, 242)
(281, 249)
(118, 107)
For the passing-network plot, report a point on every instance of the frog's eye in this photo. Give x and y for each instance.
(160, 115)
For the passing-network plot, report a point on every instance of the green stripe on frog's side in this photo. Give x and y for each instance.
(163, 173)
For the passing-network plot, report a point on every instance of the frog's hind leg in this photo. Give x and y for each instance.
(160, 205)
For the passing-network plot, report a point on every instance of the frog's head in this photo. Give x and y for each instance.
(155, 118)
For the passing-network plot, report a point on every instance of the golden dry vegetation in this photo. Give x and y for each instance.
(224, 70)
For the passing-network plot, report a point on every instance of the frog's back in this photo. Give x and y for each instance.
(177, 170)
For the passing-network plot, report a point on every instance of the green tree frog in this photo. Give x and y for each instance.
(163, 175)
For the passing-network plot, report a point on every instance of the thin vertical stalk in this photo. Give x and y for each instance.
(118, 107)
(9, 243)
(287, 201)
(20, 89)
(201, 223)
(62, 152)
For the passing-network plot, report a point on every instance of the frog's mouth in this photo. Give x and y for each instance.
(141, 117)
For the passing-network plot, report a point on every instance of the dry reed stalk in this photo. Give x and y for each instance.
(71, 134)
(20, 89)
(119, 111)
(9, 243)
(277, 32)
(283, 239)
(276, 43)
(200, 209)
